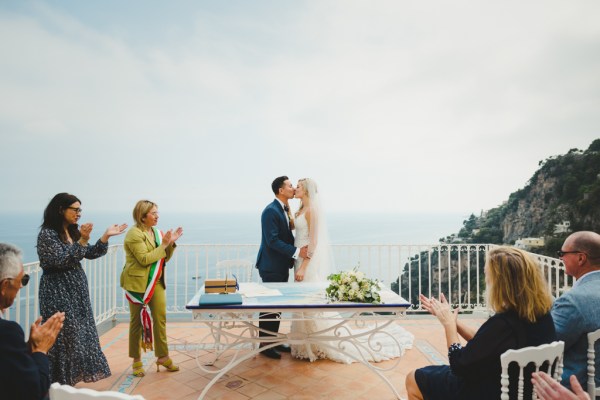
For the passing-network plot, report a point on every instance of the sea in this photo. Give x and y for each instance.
(21, 229)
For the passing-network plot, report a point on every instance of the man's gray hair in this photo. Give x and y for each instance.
(10, 261)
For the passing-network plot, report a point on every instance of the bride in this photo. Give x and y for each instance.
(311, 231)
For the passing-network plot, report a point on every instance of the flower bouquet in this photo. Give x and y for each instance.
(353, 286)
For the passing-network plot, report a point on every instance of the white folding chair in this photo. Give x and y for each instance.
(242, 269)
(551, 353)
(591, 383)
(66, 392)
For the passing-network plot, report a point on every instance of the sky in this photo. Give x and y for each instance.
(391, 106)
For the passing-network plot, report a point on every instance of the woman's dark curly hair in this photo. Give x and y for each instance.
(54, 216)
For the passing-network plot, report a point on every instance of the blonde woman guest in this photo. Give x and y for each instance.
(147, 250)
(62, 244)
(519, 296)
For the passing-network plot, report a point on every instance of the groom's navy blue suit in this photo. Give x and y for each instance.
(275, 256)
(276, 245)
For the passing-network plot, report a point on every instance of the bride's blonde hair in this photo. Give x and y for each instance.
(309, 186)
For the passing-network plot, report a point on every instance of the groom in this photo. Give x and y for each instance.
(277, 252)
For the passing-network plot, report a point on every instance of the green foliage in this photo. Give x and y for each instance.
(567, 187)
(595, 146)
(492, 235)
(468, 226)
(432, 269)
(552, 245)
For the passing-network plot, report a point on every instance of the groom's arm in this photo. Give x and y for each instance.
(271, 232)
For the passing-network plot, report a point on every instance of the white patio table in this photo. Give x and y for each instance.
(233, 329)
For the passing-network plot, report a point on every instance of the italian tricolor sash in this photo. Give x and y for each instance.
(137, 298)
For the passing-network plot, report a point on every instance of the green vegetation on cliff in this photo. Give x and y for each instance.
(564, 188)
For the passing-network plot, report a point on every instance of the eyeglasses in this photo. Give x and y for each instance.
(155, 213)
(24, 280)
(76, 209)
(561, 253)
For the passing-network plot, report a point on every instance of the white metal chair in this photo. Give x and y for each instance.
(66, 392)
(591, 383)
(242, 269)
(551, 353)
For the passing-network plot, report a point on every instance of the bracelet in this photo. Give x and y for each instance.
(83, 242)
(454, 347)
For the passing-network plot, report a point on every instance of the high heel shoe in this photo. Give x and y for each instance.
(138, 369)
(169, 366)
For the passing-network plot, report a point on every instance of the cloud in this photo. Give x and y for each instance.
(391, 106)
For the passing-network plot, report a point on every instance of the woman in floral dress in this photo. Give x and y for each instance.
(62, 244)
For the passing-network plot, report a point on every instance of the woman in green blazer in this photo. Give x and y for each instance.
(147, 250)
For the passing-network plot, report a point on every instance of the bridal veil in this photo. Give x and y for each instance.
(319, 247)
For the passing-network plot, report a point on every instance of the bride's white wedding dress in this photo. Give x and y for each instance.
(386, 344)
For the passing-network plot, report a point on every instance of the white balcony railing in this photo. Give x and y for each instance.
(454, 269)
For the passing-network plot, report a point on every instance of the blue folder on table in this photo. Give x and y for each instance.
(220, 299)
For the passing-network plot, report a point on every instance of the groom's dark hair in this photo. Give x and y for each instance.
(278, 184)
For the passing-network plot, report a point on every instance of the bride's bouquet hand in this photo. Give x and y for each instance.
(299, 275)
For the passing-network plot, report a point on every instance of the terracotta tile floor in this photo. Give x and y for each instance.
(261, 378)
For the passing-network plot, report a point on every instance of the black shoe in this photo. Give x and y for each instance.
(282, 348)
(271, 353)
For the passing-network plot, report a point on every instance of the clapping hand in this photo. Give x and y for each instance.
(115, 229)
(440, 308)
(549, 389)
(112, 231)
(171, 236)
(177, 234)
(166, 238)
(42, 337)
(85, 230)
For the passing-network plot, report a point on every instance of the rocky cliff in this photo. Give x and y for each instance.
(564, 188)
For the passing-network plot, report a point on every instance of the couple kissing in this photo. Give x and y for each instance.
(280, 251)
(310, 254)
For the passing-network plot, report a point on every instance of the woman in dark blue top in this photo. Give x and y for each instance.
(520, 297)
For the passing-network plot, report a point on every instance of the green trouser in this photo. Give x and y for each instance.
(158, 310)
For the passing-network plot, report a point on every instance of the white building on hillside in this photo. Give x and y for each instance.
(563, 227)
(529, 243)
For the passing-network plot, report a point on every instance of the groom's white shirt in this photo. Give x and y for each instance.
(295, 256)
